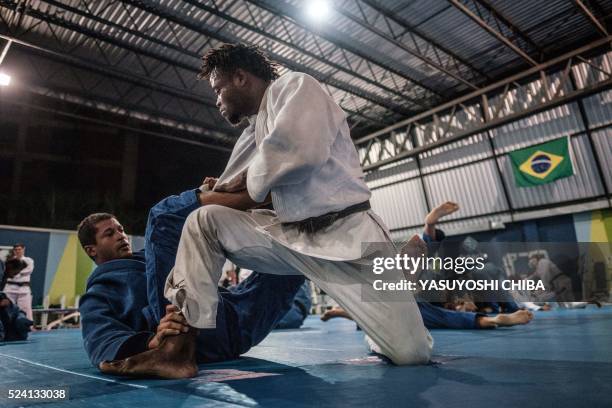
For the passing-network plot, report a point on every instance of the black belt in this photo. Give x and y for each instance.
(18, 283)
(315, 224)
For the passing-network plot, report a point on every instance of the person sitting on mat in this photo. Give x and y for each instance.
(14, 324)
(123, 312)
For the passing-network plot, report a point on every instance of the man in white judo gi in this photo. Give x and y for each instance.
(297, 153)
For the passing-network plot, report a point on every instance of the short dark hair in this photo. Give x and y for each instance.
(18, 245)
(229, 57)
(87, 230)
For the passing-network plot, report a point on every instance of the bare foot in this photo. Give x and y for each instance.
(174, 358)
(511, 319)
(414, 247)
(440, 211)
(466, 306)
(335, 312)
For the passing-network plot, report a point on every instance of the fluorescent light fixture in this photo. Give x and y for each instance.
(317, 10)
(5, 80)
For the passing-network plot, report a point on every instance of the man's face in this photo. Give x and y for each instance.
(232, 98)
(111, 242)
(19, 251)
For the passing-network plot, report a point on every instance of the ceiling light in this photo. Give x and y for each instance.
(5, 80)
(317, 10)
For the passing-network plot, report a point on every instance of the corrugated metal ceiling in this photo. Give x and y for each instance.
(383, 61)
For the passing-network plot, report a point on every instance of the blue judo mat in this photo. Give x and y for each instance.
(561, 359)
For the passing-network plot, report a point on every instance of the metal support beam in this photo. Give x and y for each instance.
(150, 83)
(503, 21)
(199, 98)
(460, 6)
(119, 125)
(498, 104)
(110, 72)
(288, 43)
(591, 17)
(589, 134)
(148, 86)
(350, 44)
(184, 21)
(454, 59)
(5, 50)
(414, 52)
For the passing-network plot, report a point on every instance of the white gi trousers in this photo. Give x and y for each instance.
(20, 296)
(213, 233)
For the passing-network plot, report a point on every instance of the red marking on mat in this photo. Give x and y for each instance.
(371, 360)
(229, 375)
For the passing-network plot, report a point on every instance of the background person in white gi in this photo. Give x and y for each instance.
(18, 287)
(296, 151)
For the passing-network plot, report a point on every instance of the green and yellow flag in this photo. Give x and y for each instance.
(542, 163)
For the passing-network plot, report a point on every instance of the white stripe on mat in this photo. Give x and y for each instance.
(95, 377)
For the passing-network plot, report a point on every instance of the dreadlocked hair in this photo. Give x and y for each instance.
(229, 57)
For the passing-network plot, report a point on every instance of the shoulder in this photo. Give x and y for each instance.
(118, 269)
(294, 80)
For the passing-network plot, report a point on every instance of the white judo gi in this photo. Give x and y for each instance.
(19, 292)
(297, 148)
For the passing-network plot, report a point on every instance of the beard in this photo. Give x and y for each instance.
(234, 119)
(236, 108)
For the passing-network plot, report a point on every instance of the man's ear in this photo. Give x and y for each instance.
(90, 250)
(240, 77)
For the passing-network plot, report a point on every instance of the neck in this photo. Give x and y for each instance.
(259, 89)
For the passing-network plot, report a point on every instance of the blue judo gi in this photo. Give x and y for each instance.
(437, 317)
(299, 310)
(124, 300)
(14, 325)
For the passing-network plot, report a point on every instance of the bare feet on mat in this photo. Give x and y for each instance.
(505, 319)
(465, 306)
(175, 358)
(335, 312)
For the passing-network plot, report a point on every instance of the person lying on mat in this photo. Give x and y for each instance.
(14, 325)
(437, 317)
(124, 313)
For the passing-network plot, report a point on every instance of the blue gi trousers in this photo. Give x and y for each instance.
(299, 310)
(246, 312)
(436, 317)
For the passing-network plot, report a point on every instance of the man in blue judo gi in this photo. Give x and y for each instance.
(14, 325)
(125, 317)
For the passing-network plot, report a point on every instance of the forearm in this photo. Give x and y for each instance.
(239, 200)
(27, 271)
(430, 230)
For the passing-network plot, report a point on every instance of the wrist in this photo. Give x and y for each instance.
(150, 340)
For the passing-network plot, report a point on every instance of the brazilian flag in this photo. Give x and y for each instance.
(542, 163)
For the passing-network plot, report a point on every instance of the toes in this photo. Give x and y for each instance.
(111, 367)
